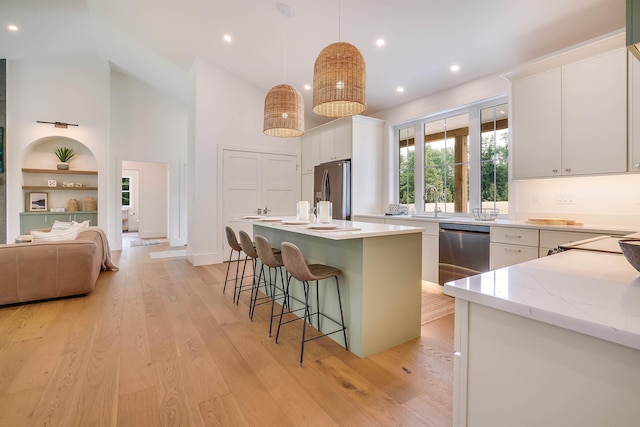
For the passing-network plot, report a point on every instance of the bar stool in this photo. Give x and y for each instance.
(273, 261)
(232, 241)
(298, 268)
(249, 248)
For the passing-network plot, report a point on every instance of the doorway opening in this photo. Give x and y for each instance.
(144, 197)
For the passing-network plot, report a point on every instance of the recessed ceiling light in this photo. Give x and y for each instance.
(454, 67)
(307, 87)
(399, 89)
(12, 27)
(227, 38)
(380, 42)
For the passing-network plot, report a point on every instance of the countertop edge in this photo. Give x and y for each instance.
(364, 229)
(587, 292)
(585, 228)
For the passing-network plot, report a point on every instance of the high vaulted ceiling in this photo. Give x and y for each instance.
(158, 40)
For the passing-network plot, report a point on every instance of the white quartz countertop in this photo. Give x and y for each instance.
(460, 219)
(337, 230)
(597, 294)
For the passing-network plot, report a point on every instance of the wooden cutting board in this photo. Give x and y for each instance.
(553, 221)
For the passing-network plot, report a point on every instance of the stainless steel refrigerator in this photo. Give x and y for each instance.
(332, 182)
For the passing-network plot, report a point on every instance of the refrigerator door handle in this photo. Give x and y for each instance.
(326, 186)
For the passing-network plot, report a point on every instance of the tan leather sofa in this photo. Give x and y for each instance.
(43, 270)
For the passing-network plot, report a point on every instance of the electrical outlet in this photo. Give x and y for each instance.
(564, 198)
(535, 198)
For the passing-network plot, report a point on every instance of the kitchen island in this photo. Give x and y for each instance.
(554, 342)
(380, 282)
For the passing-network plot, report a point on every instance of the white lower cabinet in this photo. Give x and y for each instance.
(511, 245)
(430, 245)
(502, 255)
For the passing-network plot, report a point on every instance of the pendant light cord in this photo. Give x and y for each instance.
(339, 20)
(284, 46)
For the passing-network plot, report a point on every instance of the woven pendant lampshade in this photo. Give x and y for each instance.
(339, 81)
(283, 112)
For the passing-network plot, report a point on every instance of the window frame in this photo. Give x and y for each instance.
(473, 111)
(122, 191)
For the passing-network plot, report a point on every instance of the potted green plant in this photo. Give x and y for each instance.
(64, 155)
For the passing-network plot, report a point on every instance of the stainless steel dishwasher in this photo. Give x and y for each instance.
(463, 251)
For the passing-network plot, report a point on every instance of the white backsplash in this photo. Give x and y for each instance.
(607, 199)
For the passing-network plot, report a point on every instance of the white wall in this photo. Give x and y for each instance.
(223, 112)
(149, 126)
(73, 90)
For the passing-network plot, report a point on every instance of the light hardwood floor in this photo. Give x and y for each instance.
(158, 344)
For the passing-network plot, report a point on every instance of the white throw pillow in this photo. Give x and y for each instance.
(53, 236)
(83, 224)
(60, 225)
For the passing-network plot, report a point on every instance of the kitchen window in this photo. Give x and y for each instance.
(461, 163)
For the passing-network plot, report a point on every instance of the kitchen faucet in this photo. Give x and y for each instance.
(436, 209)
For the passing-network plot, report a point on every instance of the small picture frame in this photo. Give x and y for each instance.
(37, 202)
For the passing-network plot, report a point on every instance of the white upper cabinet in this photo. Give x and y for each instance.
(595, 115)
(358, 138)
(537, 129)
(310, 152)
(335, 142)
(570, 113)
(634, 114)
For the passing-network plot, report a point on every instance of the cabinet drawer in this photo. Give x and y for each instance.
(552, 239)
(503, 255)
(519, 236)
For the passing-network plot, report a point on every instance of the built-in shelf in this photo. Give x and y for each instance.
(42, 188)
(68, 171)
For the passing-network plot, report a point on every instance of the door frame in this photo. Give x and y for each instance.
(220, 173)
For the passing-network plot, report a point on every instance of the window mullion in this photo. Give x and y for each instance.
(419, 166)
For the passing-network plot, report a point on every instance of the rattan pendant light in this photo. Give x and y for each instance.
(339, 80)
(283, 112)
(283, 105)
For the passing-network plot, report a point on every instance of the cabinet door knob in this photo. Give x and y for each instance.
(555, 171)
(568, 169)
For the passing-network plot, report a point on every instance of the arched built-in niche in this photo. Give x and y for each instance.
(40, 175)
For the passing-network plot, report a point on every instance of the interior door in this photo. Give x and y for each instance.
(257, 180)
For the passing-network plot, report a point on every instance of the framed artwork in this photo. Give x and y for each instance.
(37, 202)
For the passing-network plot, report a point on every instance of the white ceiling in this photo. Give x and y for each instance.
(157, 40)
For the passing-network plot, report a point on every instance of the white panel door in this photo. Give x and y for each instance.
(256, 180)
(280, 184)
